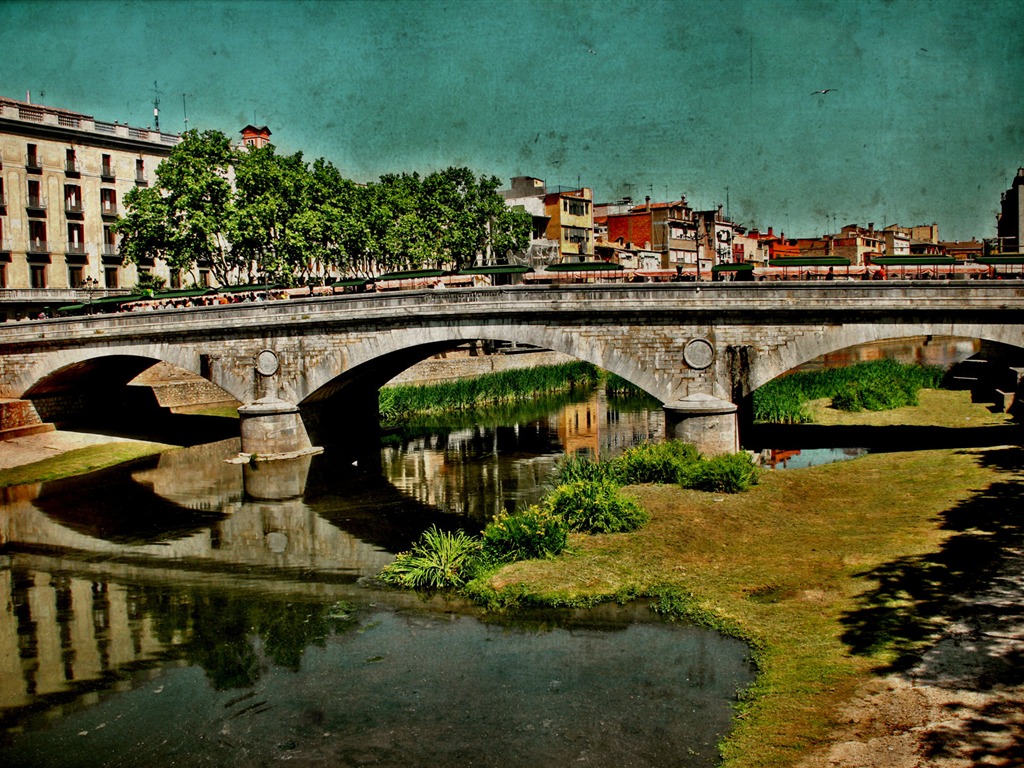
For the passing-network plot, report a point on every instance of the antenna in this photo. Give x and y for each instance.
(184, 110)
(156, 106)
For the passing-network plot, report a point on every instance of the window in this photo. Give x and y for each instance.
(140, 171)
(37, 275)
(37, 237)
(3, 200)
(176, 279)
(107, 168)
(75, 277)
(35, 199)
(577, 207)
(110, 276)
(3, 275)
(70, 162)
(76, 238)
(72, 198)
(32, 161)
(108, 201)
(109, 241)
(204, 278)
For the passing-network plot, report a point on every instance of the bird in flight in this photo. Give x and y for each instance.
(823, 91)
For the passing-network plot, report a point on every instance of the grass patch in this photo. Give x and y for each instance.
(79, 461)
(873, 386)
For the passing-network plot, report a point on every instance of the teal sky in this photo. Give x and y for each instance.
(661, 97)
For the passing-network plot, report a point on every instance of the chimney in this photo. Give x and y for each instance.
(770, 232)
(647, 202)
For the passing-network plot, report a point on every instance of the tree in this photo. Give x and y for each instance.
(182, 219)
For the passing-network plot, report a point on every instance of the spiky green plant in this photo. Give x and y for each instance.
(439, 560)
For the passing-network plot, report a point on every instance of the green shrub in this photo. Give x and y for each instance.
(728, 473)
(653, 462)
(439, 560)
(531, 533)
(572, 468)
(596, 506)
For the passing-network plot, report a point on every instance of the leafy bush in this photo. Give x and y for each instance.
(531, 533)
(653, 462)
(572, 468)
(728, 473)
(596, 506)
(439, 560)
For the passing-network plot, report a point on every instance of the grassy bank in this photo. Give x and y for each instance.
(78, 462)
(832, 573)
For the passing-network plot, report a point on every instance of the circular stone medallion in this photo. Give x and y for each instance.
(698, 353)
(266, 363)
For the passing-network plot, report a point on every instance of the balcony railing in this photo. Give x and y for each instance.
(38, 246)
(108, 209)
(76, 249)
(36, 203)
(3, 200)
(33, 164)
(107, 171)
(140, 179)
(108, 249)
(73, 206)
(72, 166)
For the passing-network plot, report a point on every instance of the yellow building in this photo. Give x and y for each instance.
(63, 176)
(571, 222)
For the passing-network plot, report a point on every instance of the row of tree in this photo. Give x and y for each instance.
(252, 215)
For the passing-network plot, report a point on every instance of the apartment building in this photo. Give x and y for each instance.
(666, 229)
(63, 176)
(563, 221)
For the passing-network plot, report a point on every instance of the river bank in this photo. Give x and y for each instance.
(843, 575)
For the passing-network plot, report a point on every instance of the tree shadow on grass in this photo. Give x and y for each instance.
(972, 592)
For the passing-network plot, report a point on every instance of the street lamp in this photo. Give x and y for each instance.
(90, 284)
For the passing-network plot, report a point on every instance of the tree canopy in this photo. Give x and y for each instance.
(251, 214)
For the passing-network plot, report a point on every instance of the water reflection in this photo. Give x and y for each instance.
(158, 614)
(775, 458)
(110, 664)
(479, 471)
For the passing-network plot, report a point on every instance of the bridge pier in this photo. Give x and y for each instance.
(273, 428)
(705, 421)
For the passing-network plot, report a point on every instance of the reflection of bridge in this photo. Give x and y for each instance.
(699, 348)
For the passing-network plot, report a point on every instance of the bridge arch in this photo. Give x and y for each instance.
(371, 362)
(809, 346)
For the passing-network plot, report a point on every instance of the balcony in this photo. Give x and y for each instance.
(74, 207)
(109, 210)
(36, 203)
(72, 168)
(76, 249)
(108, 249)
(38, 246)
(33, 164)
(141, 180)
(107, 172)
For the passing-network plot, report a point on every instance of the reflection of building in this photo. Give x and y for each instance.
(63, 176)
(579, 429)
(61, 632)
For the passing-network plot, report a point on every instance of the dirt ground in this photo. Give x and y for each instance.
(32, 448)
(961, 706)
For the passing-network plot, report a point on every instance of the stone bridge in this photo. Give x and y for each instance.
(301, 367)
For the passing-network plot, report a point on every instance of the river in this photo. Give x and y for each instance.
(158, 615)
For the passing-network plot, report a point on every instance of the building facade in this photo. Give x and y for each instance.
(63, 176)
(563, 221)
(1010, 220)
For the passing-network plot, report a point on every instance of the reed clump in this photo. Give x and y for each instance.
(872, 386)
(399, 403)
